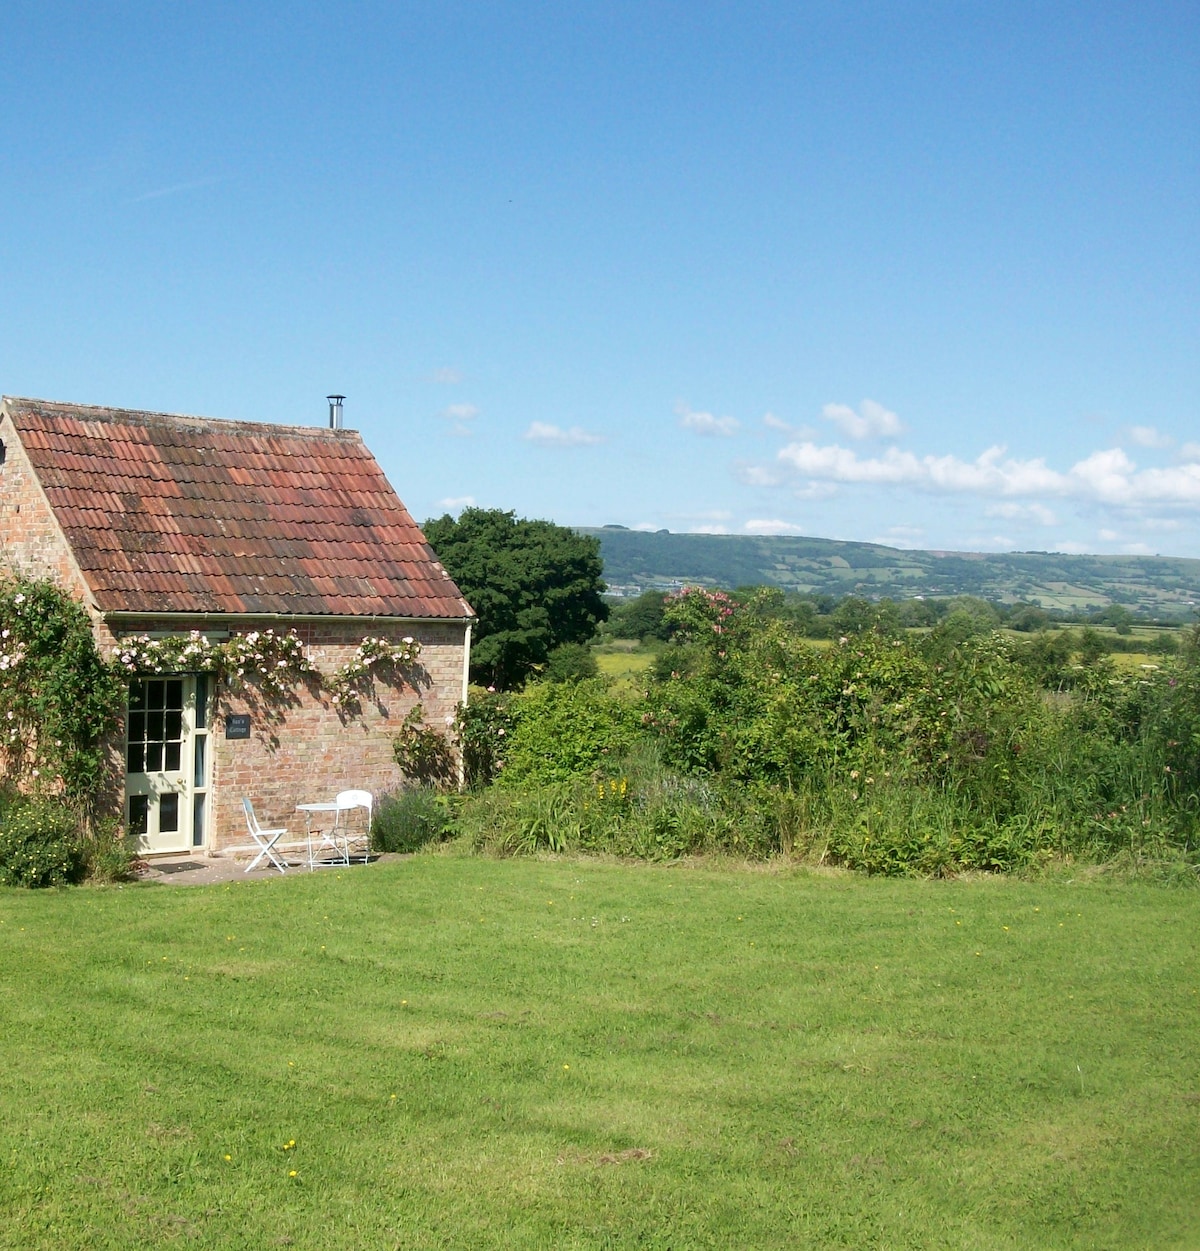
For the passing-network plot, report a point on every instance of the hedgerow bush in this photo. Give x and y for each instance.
(566, 730)
(41, 845)
(959, 750)
(483, 729)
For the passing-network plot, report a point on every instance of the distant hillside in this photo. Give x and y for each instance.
(634, 560)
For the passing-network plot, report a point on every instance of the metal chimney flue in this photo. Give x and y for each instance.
(335, 411)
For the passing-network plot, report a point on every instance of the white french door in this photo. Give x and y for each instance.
(166, 763)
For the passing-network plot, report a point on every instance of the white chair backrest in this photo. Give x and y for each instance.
(251, 819)
(355, 799)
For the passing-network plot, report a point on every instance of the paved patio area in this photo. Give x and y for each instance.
(205, 870)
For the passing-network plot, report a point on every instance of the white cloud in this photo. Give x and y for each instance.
(1070, 548)
(446, 376)
(901, 536)
(175, 189)
(776, 423)
(546, 435)
(815, 491)
(1038, 513)
(1107, 477)
(1137, 549)
(454, 503)
(706, 423)
(460, 412)
(872, 421)
(1148, 436)
(708, 514)
(1190, 452)
(759, 475)
(772, 527)
(1109, 536)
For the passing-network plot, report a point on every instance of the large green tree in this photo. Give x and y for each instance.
(534, 586)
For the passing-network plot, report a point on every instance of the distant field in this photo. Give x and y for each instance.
(623, 662)
(1136, 660)
(448, 1052)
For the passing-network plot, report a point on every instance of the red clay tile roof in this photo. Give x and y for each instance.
(191, 514)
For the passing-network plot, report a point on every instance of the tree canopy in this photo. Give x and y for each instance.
(533, 584)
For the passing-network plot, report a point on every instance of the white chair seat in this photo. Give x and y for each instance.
(264, 839)
(347, 802)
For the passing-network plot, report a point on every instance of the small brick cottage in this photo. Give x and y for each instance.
(161, 525)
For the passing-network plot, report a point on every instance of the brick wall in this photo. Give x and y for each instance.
(31, 543)
(304, 751)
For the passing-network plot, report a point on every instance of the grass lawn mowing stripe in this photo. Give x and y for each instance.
(466, 1052)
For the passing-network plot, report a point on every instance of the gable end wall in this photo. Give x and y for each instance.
(32, 544)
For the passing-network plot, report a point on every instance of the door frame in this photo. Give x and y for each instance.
(191, 782)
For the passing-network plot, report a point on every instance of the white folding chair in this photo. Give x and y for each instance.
(266, 839)
(347, 801)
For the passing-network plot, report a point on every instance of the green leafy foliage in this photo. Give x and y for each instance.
(423, 752)
(570, 662)
(483, 728)
(562, 731)
(273, 662)
(41, 845)
(963, 748)
(640, 618)
(533, 584)
(108, 856)
(59, 700)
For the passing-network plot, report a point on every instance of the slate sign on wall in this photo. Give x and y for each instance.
(237, 725)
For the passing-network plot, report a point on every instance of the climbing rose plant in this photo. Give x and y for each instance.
(372, 658)
(59, 701)
(274, 661)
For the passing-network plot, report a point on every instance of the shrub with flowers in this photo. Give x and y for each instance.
(40, 845)
(59, 700)
(275, 662)
(696, 613)
(423, 752)
(483, 728)
(374, 657)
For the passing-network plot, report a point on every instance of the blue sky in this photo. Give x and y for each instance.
(925, 274)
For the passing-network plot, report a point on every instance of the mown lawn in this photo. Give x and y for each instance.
(453, 1052)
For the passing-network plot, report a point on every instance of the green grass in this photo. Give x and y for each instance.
(477, 1053)
(1136, 660)
(615, 661)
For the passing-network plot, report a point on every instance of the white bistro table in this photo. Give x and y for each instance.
(328, 838)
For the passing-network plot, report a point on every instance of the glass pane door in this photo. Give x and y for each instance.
(159, 763)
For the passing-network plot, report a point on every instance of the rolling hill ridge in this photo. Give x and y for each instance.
(636, 560)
